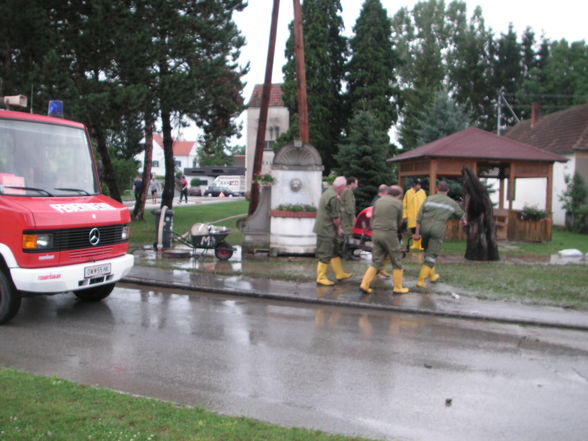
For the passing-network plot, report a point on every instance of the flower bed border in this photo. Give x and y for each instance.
(294, 214)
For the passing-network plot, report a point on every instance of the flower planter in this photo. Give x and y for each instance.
(528, 230)
(294, 214)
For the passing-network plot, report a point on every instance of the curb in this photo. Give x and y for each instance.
(375, 307)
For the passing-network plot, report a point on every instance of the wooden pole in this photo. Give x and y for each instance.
(549, 192)
(300, 73)
(263, 111)
(511, 185)
(432, 176)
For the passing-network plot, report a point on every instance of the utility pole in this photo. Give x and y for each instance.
(502, 99)
(498, 99)
(300, 74)
(263, 111)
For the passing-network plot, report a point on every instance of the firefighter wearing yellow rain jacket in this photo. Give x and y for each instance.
(411, 203)
(430, 226)
(386, 220)
(328, 230)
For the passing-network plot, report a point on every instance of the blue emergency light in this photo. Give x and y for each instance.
(55, 108)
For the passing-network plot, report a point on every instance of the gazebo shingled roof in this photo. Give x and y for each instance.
(479, 144)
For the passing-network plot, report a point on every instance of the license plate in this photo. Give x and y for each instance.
(97, 270)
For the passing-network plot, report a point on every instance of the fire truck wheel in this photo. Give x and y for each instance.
(95, 294)
(10, 299)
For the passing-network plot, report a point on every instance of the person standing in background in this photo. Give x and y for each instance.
(137, 187)
(348, 216)
(183, 189)
(153, 189)
(411, 203)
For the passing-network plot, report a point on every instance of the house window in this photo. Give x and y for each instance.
(155, 164)
(178, 164)
(269, 145)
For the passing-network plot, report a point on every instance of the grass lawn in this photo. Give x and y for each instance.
(47, 408)
(143, 232)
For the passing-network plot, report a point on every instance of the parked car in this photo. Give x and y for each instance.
(195, 191)
(216, 191)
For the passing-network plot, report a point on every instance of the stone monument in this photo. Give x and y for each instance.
(297, 171)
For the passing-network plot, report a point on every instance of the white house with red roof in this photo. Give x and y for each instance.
(184, 155)
(564, 133)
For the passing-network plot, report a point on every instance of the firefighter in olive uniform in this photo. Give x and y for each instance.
(431, 221)
(347, 207)
(328, 230)
(386, 220)
(411, 203)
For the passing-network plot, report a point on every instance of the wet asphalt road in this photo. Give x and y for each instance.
(375, 374)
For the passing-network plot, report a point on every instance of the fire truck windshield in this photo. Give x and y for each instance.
(40, 159)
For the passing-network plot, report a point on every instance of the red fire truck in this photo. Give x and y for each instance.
(58, 233)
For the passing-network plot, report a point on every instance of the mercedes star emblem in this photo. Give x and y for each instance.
(94, 236)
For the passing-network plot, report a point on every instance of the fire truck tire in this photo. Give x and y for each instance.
(10, 299)
(94, 294)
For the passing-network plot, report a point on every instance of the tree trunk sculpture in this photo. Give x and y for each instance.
(480, 228)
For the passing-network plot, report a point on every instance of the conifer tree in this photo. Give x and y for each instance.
(444, 117)
(371, 76)
(364, 156)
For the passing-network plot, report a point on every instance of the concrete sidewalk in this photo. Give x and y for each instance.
(347, 294)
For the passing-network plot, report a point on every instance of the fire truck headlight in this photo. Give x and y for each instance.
(124, 235)
(37, 241)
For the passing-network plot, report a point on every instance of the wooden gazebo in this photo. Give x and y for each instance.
(488, 156)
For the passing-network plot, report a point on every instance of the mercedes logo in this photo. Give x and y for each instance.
(94, 236)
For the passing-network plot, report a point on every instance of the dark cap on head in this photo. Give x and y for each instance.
(417, 181)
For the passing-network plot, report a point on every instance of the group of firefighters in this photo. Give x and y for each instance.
(425, 217)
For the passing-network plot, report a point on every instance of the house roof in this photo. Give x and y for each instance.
(476, 143)
(275, 96)
(180, 148)
(562, 131)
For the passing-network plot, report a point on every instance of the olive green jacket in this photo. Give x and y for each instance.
(347, 206)
(435, 212)
(387, 214)
(328, 210)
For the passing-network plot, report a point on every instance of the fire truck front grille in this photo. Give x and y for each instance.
(94, 253)
(82, 238)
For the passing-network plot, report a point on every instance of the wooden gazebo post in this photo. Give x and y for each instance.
(511, 184)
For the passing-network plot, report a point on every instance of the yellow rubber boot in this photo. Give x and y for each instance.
(368, 277)
(417, 245)
(397, 275)
(433, 275)
(321, 274)
(423, 274)
(338, 268)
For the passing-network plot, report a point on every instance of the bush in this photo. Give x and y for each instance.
(531, 214)
(296, 207)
